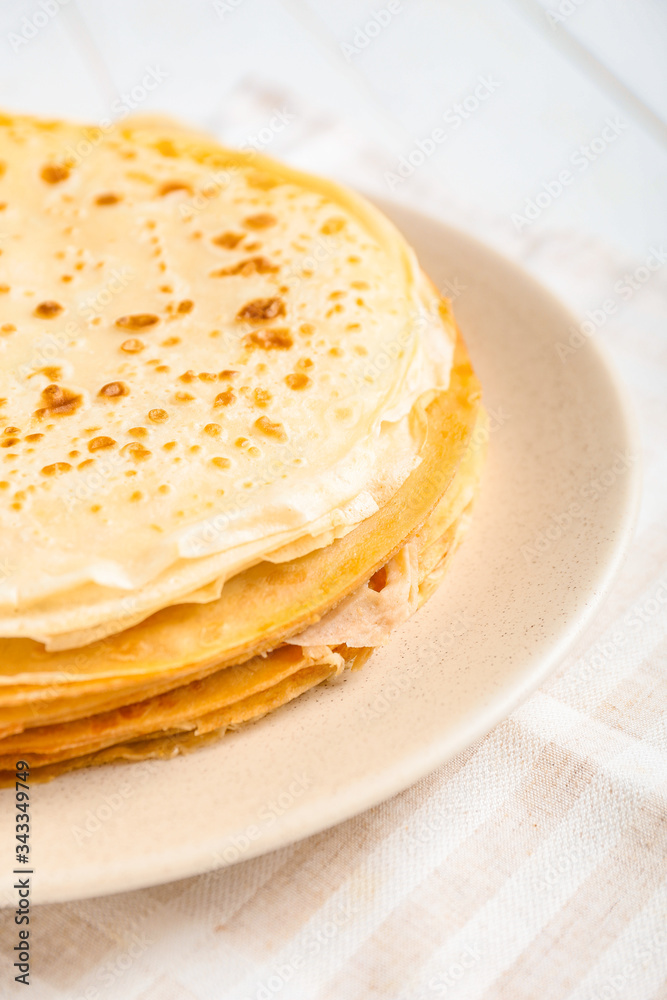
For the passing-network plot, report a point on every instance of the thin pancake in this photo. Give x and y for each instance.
(181, 707)
(168, 745)
(232, 369)
(189, 707)
(264, 605)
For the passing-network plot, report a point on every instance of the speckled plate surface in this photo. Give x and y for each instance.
(556, 513)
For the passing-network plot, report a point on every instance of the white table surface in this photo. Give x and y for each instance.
(557, 886)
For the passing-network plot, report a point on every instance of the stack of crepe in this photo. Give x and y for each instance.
(240, 438)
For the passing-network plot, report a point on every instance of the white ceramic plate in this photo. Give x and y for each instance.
(554, 517)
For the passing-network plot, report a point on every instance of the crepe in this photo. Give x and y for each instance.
(232, 368)
(245, 458)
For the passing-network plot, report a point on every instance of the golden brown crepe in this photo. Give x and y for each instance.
(241, 468)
